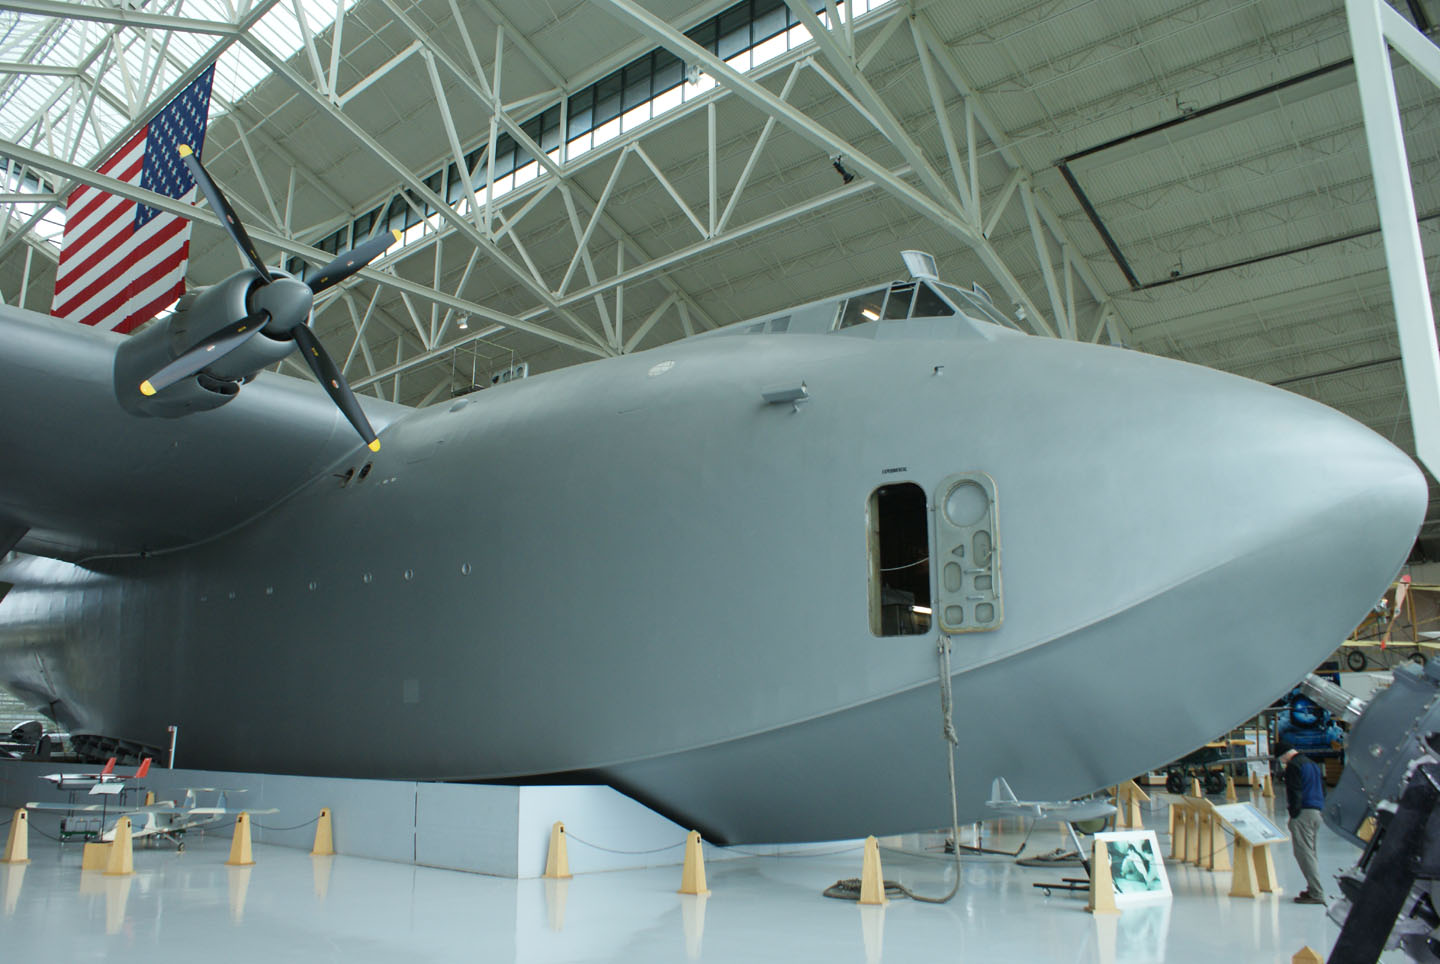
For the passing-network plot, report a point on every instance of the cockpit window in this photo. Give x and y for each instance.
(929, 304)
(862, 308)
(904, 299)
(898, 304)
(982, 308)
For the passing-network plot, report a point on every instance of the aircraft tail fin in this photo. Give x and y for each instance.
(109, 767)
(144, 769)
(1000, 792)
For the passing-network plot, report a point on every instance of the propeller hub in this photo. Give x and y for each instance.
(288, 303)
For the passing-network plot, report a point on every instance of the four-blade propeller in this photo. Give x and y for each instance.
(280, 306)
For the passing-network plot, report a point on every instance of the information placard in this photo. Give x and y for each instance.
(1250, 823)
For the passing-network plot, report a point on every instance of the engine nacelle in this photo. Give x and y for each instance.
(198, 315)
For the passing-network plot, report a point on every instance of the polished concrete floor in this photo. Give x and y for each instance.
(292, 907)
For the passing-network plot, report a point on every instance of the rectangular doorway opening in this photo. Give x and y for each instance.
(899, 560)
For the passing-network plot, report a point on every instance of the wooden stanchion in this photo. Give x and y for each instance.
(1102, 886)
(1243, 882)
(1266, 880)
(1218, 857)
(692, 877)
(241, 853)
(324, 836)
(120, 859)
(17, 845)
(872, 879)
(1177, 831)
(557, 860)
(1129, 796)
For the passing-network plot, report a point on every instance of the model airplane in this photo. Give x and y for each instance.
(1004, 803)
(712, 574)
(105, 781)
(163, 820)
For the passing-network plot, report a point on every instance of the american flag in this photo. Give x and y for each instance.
(122, 262)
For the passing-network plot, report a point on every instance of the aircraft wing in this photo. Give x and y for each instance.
(66, 808)
(80, 475)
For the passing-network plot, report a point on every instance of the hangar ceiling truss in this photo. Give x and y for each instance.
(578, 275)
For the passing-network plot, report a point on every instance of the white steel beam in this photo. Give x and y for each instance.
(123, 16)
(414, 183)
(763, 100)
(251, 16)
(1370, 28)
(171, 205)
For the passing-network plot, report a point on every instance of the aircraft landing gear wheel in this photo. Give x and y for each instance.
(180, 847)
(1175, 782)
(1355, 659)
(1214, 781)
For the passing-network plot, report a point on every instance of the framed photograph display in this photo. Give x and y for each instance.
(1137, 870)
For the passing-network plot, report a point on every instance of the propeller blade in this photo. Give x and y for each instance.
(334, 383)
(222, 207)
(209, 351)
(352, 261)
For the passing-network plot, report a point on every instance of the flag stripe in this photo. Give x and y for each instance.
(101, 238)
(161, 300)
(81, 207)
(77, 228)
(122, 261)
(117, 307)
(168, 229)
(125, 265)
(135, 143)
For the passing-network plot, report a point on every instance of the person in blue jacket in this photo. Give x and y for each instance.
(1305, 797)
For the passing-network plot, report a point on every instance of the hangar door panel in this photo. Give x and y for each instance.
(967, 550)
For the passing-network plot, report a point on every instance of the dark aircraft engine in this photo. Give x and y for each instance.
(199, 316)
(224, 335)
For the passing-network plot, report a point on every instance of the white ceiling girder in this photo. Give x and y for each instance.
(120, 16)
(416, 185)
(123, 189)
(762, 99)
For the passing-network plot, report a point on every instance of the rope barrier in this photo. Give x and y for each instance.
(298, 826)
(610, 850)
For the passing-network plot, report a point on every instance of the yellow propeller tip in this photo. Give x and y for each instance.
(146, 388)
(375, 445)
(397, 234)
(184, 150)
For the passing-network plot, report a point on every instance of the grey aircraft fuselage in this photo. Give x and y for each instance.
(638, 571)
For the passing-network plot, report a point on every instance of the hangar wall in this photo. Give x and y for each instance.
(499, 830)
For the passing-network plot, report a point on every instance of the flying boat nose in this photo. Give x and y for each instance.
(1179, 547)
(1274, 523)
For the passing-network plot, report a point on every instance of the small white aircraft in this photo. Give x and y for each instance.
(1003, 802)
(162, 820)
(105, 781)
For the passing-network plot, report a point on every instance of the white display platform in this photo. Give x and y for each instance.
(499, 830)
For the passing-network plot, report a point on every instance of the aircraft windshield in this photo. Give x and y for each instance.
(984, 309)
(904, 299)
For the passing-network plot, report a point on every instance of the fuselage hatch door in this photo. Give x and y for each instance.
(967, 548)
